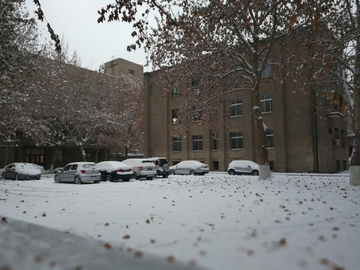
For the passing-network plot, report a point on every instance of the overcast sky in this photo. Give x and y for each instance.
(75, 21)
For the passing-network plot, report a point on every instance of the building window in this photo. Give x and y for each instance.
(35, 155)
(236, 140)
(175, 89)
(271, 165)
(215, 165)
(131, 71)
(197, 113)
(269, 138)
(344, 165)
(196, 86)
(338, 166)
(215, 142)
(176, 142)
(266, 103)
(235, 107)
(266, 72)
(197, 141)
(174, 116)
(343, 141)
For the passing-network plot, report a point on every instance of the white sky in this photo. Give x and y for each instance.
(75, 21)
(216, 221)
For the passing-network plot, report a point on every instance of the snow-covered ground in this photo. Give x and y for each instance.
(216, 221)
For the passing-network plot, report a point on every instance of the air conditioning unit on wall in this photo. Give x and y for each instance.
(336, 142)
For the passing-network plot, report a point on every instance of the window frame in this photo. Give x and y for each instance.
(215, 142)
(197, 112)
(197, 143)
(238, 137)
(176, 144)
(175, 120)
(176, 88)
(265, 102)
(234, 106)
(269, 138)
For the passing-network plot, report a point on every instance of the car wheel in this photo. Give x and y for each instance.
(149, 178)
(192, 172)
(77, 180)
(231, 172)
(108, 178)
(255, 172)
(57, 179)
(172, 172)
(96, 182)
(165, 176)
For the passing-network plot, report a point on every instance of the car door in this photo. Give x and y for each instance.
(64, 174)
(178, 169)
(72, 172)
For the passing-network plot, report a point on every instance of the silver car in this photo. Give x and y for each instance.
(142, 167)
(78, 173)
(190, 167)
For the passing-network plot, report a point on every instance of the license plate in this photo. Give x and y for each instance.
(93, 176)
(32, 175)
(150, 169)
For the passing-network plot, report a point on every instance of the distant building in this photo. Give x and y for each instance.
(25, 149)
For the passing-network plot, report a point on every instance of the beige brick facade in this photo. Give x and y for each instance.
(303, 141)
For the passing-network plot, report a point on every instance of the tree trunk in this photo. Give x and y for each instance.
(355, 157)
(97, 153)
(52, 161)
(6, 154)
(83, 154)
(260, 135)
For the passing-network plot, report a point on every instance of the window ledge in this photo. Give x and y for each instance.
(335, 115)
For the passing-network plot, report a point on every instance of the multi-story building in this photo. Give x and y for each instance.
(305, 131)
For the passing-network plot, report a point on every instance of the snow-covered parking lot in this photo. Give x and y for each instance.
(216, 221)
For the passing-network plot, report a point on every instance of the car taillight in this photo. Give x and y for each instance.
(82, 171)
(117, 170)
(141, 168)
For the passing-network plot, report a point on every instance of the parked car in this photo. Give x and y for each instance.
(161, 165)
(115, 170)
(243, 167)
(78, 173)
(41, 168)
(20, 171)
(142, 167)
(190, 167)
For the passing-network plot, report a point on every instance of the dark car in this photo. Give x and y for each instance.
(115, 170)
(21, 171)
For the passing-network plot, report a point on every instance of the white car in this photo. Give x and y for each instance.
(190, 167)
(78, 173)
(243, 167)
(20, 171)
(142, 167)
(41, 168)
(115, 170)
